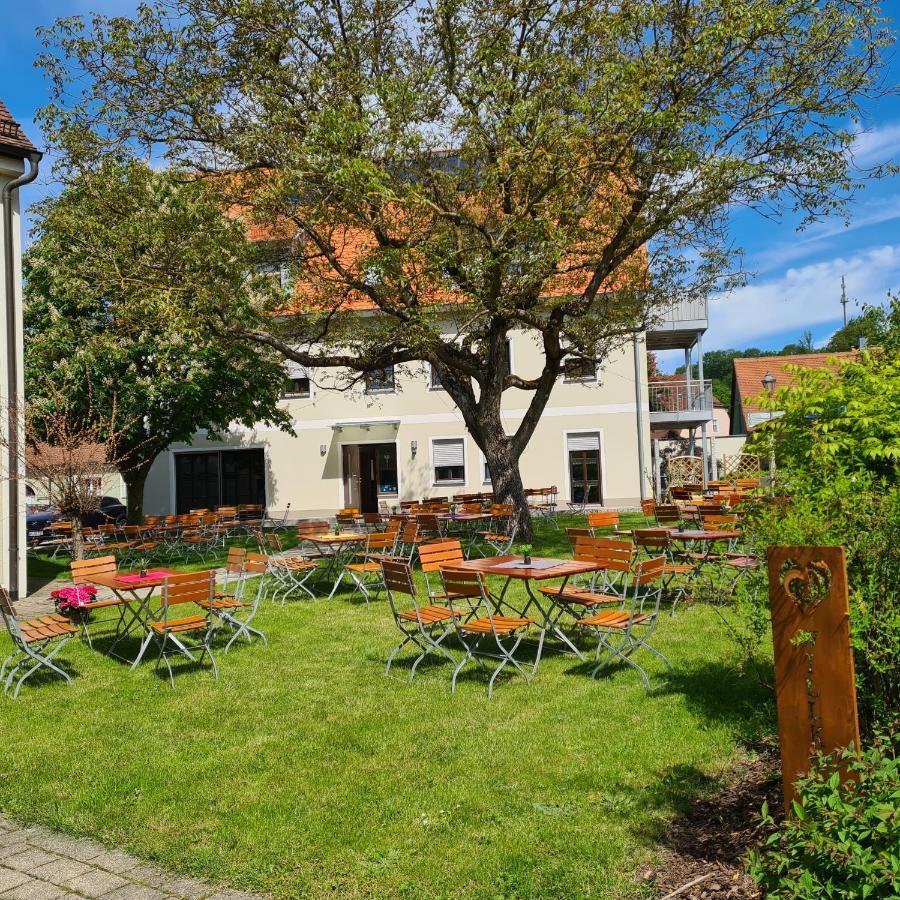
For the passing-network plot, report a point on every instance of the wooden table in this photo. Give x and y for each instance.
(707, 537)
(469, 522)
(512, 569)
(136, 591)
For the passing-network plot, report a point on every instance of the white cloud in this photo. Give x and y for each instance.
(804, 297)
(876, 146)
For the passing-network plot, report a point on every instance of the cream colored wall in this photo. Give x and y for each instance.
(10, 169)
(300, 474)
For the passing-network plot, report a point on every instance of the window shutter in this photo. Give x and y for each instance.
(449, 452)
(586, 440)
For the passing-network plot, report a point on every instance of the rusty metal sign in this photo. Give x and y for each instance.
(814, 678)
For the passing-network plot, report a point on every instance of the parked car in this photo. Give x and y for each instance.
(111, 511)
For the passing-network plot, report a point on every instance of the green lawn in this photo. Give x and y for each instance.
(305, 772)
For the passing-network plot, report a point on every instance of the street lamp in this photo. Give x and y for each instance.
(768, 383)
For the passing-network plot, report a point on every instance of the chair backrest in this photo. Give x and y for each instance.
(256, 563)
(605, 519)
(436, 555)
(709, 509)
(149, 520)
(398, 577)
(429, 522)
(605, 553)
(462, 584)
(680, 493)
(170, 519)
(6, 606)
(395, 523)
(719, 522)
(501, 509)
(188, 587)
(471, 507)
(83, 570)
(381, 541)
(348, 511)
(648, 507)
(311, 526)
(409, 532)
(199, 512)
(650, 570)
(573, 534)
(273, 542)
(652, 538)
(372, 518)
(345, 518)
(234, 562)
(668, 512)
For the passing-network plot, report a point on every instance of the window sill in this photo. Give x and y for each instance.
(370, 391)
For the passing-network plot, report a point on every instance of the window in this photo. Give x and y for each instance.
(278, 270)
(584, 467)
(508, 357)
(577, 368)
(296, 387)
(449, 460)
(386, 469)
(435, 380)
(486, 472)
(380, 381)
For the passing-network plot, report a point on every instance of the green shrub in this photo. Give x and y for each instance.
(843, 840)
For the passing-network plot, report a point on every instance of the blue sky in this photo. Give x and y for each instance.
(796, 285)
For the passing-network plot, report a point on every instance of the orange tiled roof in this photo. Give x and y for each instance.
(12, 139)
(749, 372)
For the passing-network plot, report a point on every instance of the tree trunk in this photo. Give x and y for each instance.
(135, 479)
(77, 538)
(506, 479)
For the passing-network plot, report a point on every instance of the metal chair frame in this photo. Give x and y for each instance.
(424, 626)
(48, 633)
(472, 629)
(647, 587)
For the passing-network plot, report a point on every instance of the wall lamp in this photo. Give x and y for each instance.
(413, 447)
(323, 449)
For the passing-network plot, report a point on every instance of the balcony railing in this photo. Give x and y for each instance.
(679, 397)
(684, 311)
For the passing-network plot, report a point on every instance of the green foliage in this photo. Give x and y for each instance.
(135, 286)
(843, 418)
(842, 839)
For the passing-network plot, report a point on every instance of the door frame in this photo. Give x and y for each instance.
(567, 473)
(340, 480)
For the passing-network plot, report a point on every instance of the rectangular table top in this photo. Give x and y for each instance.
(131, 580)
(698, 534)
(344, 537)
(499, 565)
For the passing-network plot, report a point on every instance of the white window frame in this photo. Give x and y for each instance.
(444, 438)
(565, 451)
(382, 390)
(431, 385)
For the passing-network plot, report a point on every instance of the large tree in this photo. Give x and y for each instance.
(465, 168)
(133, 280)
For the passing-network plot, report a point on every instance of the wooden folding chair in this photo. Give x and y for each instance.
(621, 632)
(178, 590)
(648, 508)
(366, 575)
(656, 541)
(82, 572)
(425, 626)
(503, 634)
(409, 540)
(35, 644)
(667, 514)
(603, 519)
(501, 532)
(233, 610)
(439, 555)
(613, 560)
(290, 569)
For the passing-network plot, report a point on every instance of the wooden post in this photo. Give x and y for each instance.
(814, 678)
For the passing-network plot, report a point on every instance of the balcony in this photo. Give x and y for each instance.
(676, 405)
(677, 326)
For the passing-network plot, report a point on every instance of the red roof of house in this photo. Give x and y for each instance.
(13, 140)
(749, 372)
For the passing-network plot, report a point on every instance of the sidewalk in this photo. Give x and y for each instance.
(38, 864)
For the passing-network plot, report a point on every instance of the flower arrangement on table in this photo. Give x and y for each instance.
(525, 552)
(73, 600)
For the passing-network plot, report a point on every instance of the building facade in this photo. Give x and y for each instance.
(19, 160)
(400, 437)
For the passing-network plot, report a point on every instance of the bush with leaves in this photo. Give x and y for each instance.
(842, 839)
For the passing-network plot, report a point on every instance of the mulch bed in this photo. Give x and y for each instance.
(708, 843)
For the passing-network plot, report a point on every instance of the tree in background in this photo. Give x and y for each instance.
(873, 324)
(133, 285)
(468, 168)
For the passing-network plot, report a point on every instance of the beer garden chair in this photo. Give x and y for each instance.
(484, 632)
(36, 643)
(234, 610)
(424, 626)
(620, 633)
(82, 571)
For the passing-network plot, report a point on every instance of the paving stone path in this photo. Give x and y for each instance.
(39, 864)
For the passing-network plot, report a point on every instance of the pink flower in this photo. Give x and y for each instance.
(75, 597)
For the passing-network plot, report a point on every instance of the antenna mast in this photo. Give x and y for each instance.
(844, 298)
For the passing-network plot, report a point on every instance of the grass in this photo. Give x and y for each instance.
(305, 772)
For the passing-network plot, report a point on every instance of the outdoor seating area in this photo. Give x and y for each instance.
(179, 589)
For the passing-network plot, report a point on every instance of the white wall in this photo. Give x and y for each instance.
(10, 168)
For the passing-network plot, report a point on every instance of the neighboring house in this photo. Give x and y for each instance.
(104, 479)
(747, 383)
(400, 437)
(19, 160)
